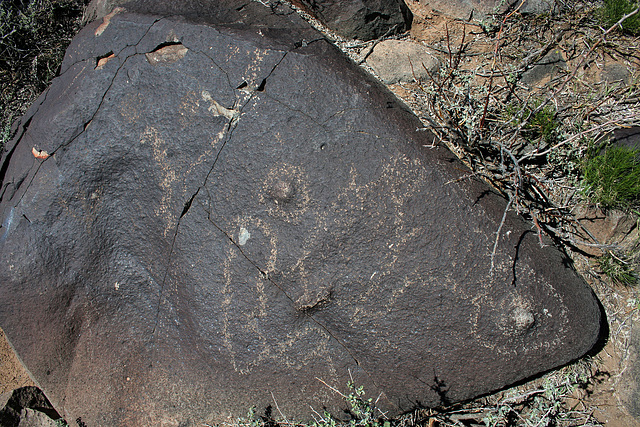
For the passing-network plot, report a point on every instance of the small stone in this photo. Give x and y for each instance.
(616, 72)
(32, 418)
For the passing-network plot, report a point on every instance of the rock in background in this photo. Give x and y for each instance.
(360, 19)
(26, 407)
(397, 61)
(481, 9)
(202, 215)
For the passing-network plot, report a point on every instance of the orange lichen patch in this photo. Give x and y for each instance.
(39, 154)
(103, 61)
(107, 19)
(167, 54)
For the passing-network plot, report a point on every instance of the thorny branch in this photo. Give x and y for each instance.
(497, 129)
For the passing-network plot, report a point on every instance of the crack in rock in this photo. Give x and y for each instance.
(102, 99)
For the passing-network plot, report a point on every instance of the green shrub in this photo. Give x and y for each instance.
(613, 10)
(611, 179)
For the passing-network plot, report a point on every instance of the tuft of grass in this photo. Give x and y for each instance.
(618, 268)
(611, 179)
(613, 10)
(546, 404)
(538, 125)
(543, 125)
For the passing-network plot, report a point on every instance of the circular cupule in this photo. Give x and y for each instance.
(285, 192)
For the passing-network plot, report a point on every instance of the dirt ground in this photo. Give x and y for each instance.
(12, 373)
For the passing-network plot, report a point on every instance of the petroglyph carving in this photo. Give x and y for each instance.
(285, 192)
(159, 146)
(218, 110)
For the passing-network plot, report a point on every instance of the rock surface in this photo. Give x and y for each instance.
(32, 418)
(480, 9)
(26, 407)
(630, 380)
(360, 19)
(202, 215)
(402, 61)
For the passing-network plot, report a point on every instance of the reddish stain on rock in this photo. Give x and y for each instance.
(107, 19)
(167, 54)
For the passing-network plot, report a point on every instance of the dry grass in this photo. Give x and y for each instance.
(33, 37)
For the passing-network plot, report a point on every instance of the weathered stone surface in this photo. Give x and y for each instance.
(33, 418)
(360, 19)
(402, 61)
(247, 216)
(630, 381)
(228, 12)
(627, 137)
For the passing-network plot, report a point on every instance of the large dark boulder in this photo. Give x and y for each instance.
(354, 19)
(201, 215)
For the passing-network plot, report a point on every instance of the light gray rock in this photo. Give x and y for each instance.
(616, 72)
(26, 407)
(33, 418)
(402, 61)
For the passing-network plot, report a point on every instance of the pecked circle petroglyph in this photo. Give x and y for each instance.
(285, 192)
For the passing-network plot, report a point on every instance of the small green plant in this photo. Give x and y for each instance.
(618, 268)
(538, 127)
(542, 125)
(5, 133)
(613, 10)
(252, 419)
(361, 410)
(611, 178)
